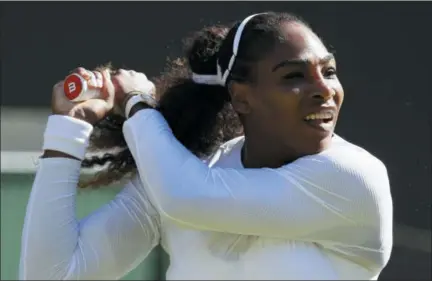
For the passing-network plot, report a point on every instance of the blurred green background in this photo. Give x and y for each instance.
(15, 190)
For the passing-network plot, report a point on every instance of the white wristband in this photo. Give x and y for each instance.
(68, 135)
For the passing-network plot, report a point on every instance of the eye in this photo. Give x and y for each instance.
(293, 75)
(330, 72)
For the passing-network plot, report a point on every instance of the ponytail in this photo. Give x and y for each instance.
(200, 115)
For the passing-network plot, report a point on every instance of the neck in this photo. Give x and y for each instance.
(262, 153)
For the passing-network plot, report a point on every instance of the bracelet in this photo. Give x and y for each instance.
(138, 98)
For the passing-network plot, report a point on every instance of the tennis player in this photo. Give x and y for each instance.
(284, 198)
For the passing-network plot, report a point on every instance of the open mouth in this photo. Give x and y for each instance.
(321, 120)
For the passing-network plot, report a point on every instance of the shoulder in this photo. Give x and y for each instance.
(355, 160)
(344, 157)
(349, 172)
(364, 181)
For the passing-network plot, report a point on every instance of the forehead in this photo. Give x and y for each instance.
(299, 43)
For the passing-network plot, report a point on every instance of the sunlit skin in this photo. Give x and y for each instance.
(295, 80)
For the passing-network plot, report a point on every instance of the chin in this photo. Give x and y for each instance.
(316, 144)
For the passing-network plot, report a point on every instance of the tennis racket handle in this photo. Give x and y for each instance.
(76, 88)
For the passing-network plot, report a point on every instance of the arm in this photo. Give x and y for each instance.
(105, 245)
(312, 198)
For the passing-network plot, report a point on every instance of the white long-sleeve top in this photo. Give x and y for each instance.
(325, 216)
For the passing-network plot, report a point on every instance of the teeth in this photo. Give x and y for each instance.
(314, 116)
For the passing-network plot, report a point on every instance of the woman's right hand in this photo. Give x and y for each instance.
(91, 110)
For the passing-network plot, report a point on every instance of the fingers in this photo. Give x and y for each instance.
(127, 81)
(94, 78)
(58, 89)
(113, 88)
(107, 89)
(123, 72)
(99, 79)
(84, 73)
(58, 85)
(60, 104)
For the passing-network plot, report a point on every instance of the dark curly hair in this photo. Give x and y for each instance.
(201, 116)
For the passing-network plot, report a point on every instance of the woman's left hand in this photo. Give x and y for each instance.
(128, 83)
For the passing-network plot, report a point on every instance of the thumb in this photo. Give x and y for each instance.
(108, 89)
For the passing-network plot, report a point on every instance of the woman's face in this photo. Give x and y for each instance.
(296, 96)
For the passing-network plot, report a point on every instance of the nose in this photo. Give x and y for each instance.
(321, 89)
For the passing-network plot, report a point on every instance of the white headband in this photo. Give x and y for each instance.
(220, 78)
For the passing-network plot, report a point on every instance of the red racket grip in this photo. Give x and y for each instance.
(76, 88)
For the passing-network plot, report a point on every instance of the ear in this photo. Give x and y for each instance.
(240, 97)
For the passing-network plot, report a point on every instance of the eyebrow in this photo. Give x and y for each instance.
(284, 63)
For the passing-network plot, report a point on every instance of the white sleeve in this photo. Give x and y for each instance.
(107, 244)
(315, 198)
